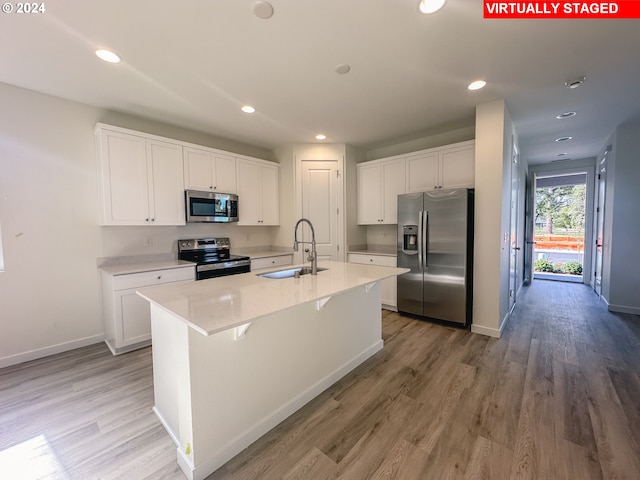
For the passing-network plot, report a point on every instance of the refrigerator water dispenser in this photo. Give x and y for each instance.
(410, 236)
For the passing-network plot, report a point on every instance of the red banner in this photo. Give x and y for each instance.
(562, 9)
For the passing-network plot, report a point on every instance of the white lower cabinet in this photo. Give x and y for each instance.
(127, 322)
(389, 287)
(271, 262)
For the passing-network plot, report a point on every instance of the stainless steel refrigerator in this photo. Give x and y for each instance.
(435, 241)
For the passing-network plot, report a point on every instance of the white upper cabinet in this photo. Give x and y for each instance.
(208, 170)
(141, 180)
(258, 193)
(451, 166)
(422, 172)
(379, 184)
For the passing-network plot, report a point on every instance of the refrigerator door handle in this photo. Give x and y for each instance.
(420, 240)
(426, 240)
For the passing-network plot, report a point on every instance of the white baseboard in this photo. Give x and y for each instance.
(623, 309)
(165, 424)
(491, 332)
(47, 351)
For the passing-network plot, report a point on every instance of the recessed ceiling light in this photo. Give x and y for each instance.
(107, 56)
(343, 69)
(563, 139)
(248, 109)
(477, 85)
(575, 83)
(561, 154)
(321, 136)
(430, 6)
(263, 9)
(565, 115)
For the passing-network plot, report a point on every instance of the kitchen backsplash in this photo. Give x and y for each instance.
(126, 241)
(381, 235)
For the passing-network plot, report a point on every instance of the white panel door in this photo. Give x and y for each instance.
(320, 200)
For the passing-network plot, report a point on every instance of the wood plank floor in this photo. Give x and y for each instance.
(557, 397)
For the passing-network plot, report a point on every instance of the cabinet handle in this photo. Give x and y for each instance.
(146, 219)
(159, 277)
(210, 187)
(153, 219)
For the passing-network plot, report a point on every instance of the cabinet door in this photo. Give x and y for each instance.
(270, 194)
(124, 185)
(422, 172)
(133, 317)
(394, 182)
(198, 169)
(249, 193)
(457, 167)
(225, 174)
(369, 194)
(166, 185)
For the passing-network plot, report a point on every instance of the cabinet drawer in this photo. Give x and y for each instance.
(268, 262)
(380, 260)
(156, 277)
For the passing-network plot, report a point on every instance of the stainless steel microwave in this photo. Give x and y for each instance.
(210, 206)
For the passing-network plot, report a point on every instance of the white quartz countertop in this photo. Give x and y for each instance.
(128, 268)
(264, 254)
(217, 304)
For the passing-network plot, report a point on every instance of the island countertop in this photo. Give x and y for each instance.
(218, 304)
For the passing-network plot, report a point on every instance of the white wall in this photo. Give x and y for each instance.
(49, 291)
(492, 218)
(621, 280)
(432, 140)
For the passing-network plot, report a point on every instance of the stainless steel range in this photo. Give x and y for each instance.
(213, 257)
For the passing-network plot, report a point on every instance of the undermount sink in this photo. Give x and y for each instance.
(289, 272)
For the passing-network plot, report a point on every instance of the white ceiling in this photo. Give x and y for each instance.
(195, 63)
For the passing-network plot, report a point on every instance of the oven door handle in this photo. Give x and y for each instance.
(221, 266)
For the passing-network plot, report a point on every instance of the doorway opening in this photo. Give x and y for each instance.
(559, 228)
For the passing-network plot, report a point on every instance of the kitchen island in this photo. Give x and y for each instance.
(234, 356)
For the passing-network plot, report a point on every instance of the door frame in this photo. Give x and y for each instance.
(569, 167)
(319, 153)
(598, 234)
(513, 225)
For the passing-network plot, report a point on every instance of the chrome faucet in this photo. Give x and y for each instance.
(313, 256)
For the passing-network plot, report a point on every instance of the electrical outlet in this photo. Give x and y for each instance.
(148, 240)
